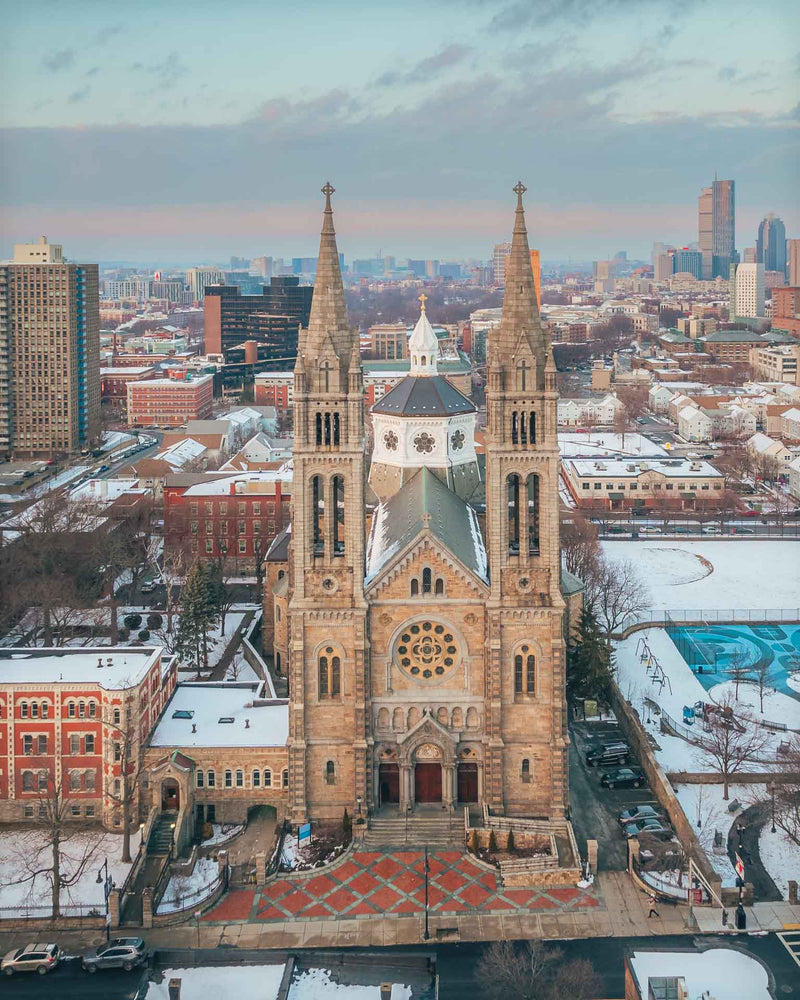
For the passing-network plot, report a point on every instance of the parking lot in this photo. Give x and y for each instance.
(595, 810)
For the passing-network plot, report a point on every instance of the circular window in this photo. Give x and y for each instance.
(457, 440)
(426, 650)
(424, 442)
(390, 440)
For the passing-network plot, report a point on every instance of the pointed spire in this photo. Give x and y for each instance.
(423, 345)
(328, 323)
(520, 332)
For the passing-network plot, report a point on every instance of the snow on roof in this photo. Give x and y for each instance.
(793, 414)
(227, 484)
(181, 452)
(760, 442)
(26, 665)
(675, 468)
(608, 444)
(726, 974)
(202, 706)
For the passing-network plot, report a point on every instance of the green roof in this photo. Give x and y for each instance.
(570, 584)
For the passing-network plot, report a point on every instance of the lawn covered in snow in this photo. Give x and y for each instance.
(780, 856)
(707, 811)
(29, 843)
(186, 890)
(228, 982)
(744, 574)
(721, 973)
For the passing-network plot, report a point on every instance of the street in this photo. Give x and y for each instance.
(70, 982)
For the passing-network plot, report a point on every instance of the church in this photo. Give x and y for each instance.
(426, 640)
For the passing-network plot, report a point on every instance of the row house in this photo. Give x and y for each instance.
(582, 412)
(217, 515)
(611, 484)
(70, 721)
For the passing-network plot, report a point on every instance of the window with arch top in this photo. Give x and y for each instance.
(525, 770)
(330, 773)
(525, 671)
(338, 515)
(330, 673)
(512, 485)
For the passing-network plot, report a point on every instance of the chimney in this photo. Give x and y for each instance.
(99, 661)
(109, 662)
(386, 991)
(246, 723)
(194, 727)
(174, 989)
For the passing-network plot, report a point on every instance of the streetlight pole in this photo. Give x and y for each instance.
(772, 789)
(426, 936)
(106, 883)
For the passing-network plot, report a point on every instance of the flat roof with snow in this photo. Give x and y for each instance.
(222, 715)
(621, 469)
(122, 667)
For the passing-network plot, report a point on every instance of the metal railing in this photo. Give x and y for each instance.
(662, 618)
(696, 739)
(33, 911)
(193, 899)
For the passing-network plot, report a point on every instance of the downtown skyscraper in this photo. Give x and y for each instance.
(771, 244)
(716, 228)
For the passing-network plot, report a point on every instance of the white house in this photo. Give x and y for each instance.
(659, 397)
(794, 478)
(790, 424)
(763, 447)
(694, 424)
(575, 412)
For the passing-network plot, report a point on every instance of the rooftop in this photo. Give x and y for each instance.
(675, 468)
(122, 667)
(424, 396)
(222, 715)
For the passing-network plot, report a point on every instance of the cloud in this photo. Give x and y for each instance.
(106, 34)
(165, 72)
(427, 69)
(542, 13)
(79, 95)
(93, 71)
(58, 59)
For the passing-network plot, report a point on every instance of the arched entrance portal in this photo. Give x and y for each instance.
(428, 773)
(170, 794)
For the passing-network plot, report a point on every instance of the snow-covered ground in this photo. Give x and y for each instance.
(23, 847)
(185, 890)
(780, 856)
(721, 973)
(704, 805)
(316, 984)
(218, 643)
(222, 832)
(230, 982)
(240, 670)
(606, 444)
(740, 574)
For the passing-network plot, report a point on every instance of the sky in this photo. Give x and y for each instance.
(190, 131)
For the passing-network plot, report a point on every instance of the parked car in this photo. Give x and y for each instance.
(609, 753)
(652, 826)
(635, 813)
(617, 529)
(680, 530)
(37, 957)
(743, 531)
(649, 529)
(624, 777)
(119, 953)
(147, 588)
(712, 530)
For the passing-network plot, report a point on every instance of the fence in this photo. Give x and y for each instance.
(664, 888)
(193, 899)
(695, 738)
(663, 618)
(69, 911)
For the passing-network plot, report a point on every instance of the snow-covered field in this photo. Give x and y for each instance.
(721, 973)
(780, 856)
(704, 805)
(316, 984)
(230, 982)
(740, 574)
(185, 890)
(22, 848)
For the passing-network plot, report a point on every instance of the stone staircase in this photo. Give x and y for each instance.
(160, 839)
(418, 830)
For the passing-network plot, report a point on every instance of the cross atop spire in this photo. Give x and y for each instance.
(423, 299)
(519, 190)
(328, 190)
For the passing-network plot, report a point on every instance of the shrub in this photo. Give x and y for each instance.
(144, 635)
(492, 843)
(473, 841)
(347, 825)
(510, 845)
(133, 621)
(154, 621)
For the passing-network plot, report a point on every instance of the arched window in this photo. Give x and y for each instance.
(23, 710)
(34, 710)
(523, 429)
(81, 709)
(199, 779)
(533, 514)
(277, 613)
(240, 779)
(278, 662)
(524, 671)
(423, 360)
(256, 779)
(71, 710)
(525, 770)
(414, 587)
(45, 710)
(285, 777)
(518, 674)
(338, 515)
(318, 422)
(532, 428)
(330, 773)
(336, 425)
(327, 428)
(211, 779)
(27, 781)
(323, 676)
(513, 514)
(439, 590)
(330, 673)
(317, 515)
(229, 779)
(92, 709)
(267, 778)
(514, 428)
(530, 674)
(427, 580)
(336, 675)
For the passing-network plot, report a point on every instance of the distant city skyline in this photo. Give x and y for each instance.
(171, 133)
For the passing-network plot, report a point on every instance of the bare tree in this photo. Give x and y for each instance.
(738, 669)
(61, 849)
(534, 971)
(579, 546)
(732, 741)
(170, 569)
(616, 593)
(128, 763)
(787, 794)
(762, 672)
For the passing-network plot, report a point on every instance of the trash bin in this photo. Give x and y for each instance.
(741, 918)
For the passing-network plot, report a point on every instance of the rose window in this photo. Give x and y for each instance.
(424, 442)
(457, 440)
(390, 440)
(426, 650)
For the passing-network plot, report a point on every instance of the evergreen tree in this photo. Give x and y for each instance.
(589, 666)
(198, 616)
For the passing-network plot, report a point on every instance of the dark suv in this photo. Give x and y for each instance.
(608, 753)
(120, 953)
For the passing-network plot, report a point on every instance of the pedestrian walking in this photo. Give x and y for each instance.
(653, 911)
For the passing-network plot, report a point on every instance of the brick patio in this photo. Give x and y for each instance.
(368, 884)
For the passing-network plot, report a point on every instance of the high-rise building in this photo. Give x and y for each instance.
(750, 255)
(49, 352)
(771, 244)
(198, 278)
(604, 275)
(786, 309)
(688, 261)
(746, 291)
(270, 320)
(536, 267)
(663, 267)
(500, 253)
(716, 228)
(793, 261)
(261, 267)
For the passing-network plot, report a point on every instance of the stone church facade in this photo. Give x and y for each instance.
(426, 657)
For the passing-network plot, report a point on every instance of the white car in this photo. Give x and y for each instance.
(712, 530)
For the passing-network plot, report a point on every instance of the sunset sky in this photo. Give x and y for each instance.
(190, 131)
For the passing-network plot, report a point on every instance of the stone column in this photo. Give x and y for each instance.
(591, 855)
(261, 868)
(405, 786)
(147, 907)
(113, 907)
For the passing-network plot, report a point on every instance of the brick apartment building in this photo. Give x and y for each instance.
(274, 389)
(170, 402)
(114, 382)
(786, 309)
(616, 484)
(210, 515)
(68, 718)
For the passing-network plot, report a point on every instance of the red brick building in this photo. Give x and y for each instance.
(786, 309)
(170, 402)
(114, 382)
(68, 717)
(275, 389)
(210, 515)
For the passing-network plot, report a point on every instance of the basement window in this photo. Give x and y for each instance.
(182, 713)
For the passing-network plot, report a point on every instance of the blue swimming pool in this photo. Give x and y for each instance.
(711, 649)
